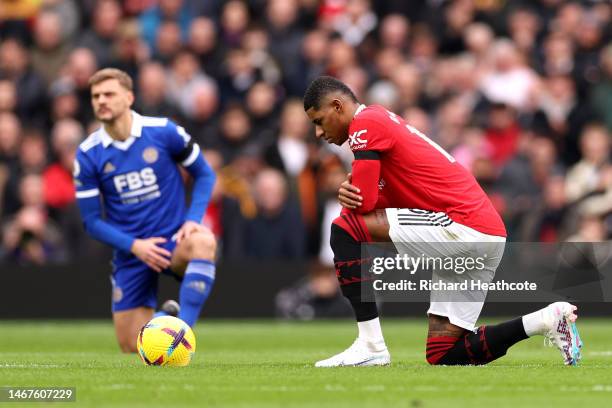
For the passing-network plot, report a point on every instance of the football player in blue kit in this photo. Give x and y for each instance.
(128, 170)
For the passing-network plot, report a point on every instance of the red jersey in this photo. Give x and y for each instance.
(396, 166)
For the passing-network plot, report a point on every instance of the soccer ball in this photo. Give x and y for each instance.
(166, 340)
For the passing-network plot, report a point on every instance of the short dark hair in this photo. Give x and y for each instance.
(323, 86)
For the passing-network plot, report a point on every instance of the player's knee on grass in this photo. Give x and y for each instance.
(201, 245)
(127, 341)
(486, 344)
(127, 347)
(441, 337)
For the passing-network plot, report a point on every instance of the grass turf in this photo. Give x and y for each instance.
(269, 363)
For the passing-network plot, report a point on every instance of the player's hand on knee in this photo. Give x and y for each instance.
(153, 255)
(188, 228)
(348, 194)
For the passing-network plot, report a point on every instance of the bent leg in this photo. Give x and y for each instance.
(194, 259)
(348, 232)
(448, 344)
(377, 225)
(198, 245)
(127, 325)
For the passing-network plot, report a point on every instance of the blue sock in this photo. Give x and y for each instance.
(195, 288)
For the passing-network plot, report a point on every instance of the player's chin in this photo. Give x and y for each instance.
(105, 116)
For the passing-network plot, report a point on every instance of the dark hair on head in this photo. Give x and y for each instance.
(323, 86)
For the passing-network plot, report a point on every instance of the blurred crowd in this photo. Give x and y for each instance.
(520, 92)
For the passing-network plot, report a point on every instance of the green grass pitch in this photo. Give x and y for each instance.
(269, 363)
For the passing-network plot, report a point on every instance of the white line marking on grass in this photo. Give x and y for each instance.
(334, 388)
(600, 353)
(117, 387)
(374, 388)
(30, 365)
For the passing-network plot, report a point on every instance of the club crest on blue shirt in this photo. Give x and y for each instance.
(150, 155)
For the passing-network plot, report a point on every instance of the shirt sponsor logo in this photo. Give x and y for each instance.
(150, 155)
(137, 186)
(355, 140)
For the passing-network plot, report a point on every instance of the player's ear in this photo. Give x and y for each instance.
(336, 105)
(130, 98)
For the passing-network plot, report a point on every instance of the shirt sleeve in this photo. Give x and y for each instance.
(181, 145)
(88, 199)
(368, 141)
(186, 152)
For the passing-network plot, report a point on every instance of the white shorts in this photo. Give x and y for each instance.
(413, 232)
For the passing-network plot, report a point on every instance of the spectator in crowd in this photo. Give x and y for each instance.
(277, 216)
(508, 80)
(29, 86)
(32, 152)
(314, 55)
(168, 42)
(8, 96)
(80, 67)
(30, 237)
(235, 133)
(234, 21)
(129, 50)
(50, 50)
(153, 20)
(287, 37)
(152, 91)
(591, 174)
(394, 30)
(10, 141)
(184, 76)
(261, 105)
(202, 121)
(101, 37)
(58, 189)
(357, 21)
(204, 43)
(561, 115)
(601, 92)
(64, 101)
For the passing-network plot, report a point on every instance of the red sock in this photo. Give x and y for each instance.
(437, 347)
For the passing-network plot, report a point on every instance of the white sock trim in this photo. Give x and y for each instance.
(533, 323)
(201, 268)
(371, 333)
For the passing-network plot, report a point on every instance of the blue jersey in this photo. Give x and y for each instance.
(140, 183)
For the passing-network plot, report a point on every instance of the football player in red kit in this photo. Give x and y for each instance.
(404, 188)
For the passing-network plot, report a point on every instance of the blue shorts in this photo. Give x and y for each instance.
(134, 284)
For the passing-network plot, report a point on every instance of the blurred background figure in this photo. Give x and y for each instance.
(277, 216)
(30, 237)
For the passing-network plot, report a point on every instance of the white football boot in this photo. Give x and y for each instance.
(560, 321)
(360, 354)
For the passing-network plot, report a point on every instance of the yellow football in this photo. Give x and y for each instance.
(166, 340)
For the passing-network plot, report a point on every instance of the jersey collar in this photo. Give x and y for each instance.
(135, 132)
(359, 109)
